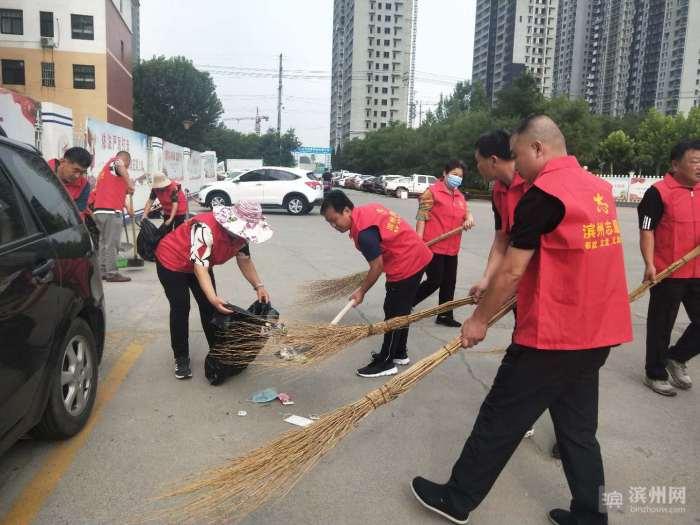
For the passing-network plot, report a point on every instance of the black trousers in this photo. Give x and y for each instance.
(177, 221)
(177, 286)
(398, 301)
(664, 301)
(440, 273)
(529, 382)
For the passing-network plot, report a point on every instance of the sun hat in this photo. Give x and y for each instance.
(160, 180)
(244, 219)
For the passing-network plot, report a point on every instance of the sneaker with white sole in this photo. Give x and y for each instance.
(660, 386)
(182, 368)
(378, 368)
(678, 374)
(401, 359)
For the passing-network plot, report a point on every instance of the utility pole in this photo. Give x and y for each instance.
(420, 113)
(279, 112)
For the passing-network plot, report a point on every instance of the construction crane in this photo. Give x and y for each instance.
(257, 118)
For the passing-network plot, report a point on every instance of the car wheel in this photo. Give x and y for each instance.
(296, 204)
(398, 191)
(73, 385)
(218, 198)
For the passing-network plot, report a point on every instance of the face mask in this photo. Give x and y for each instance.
(453, 181)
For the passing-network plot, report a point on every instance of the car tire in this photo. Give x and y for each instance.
(73, 385)
(398, 191)
(296, 204)
(218, 198)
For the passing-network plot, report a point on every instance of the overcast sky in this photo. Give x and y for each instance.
(252, 33)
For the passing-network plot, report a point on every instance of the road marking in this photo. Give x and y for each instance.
(30, 502)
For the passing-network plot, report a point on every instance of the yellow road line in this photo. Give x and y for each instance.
(28, 504)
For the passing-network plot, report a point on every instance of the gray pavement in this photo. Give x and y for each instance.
(156, 431)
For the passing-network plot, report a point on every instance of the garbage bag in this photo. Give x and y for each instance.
(148, 238)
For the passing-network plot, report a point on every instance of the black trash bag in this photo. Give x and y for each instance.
(261, 315)
(148, 238)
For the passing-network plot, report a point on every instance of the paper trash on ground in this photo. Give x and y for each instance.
(298, 421)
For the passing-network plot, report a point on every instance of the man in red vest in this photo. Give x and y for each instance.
(494, 162)
(71, 170)
(107, 201)
(566, 265)
(669, 223)
(171, 198)
(390, 246)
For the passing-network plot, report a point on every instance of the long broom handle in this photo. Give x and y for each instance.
(344, 311)
(444, 236)
(675, 265)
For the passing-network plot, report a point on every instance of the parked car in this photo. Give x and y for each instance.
(414, 185)
(52, 320)
(380, 186)
(368, 184)
(293, 189)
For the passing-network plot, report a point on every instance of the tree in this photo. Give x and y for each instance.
(520, 99)
(170, 91)
(617, 152)
(580, 128)
(656, 136)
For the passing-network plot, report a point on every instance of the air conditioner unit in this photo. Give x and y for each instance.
(48, 41)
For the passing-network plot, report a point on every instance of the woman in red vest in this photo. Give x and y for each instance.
(566, 266)
(442, 208)
(390, 246)
(185, 259)
(171, 198)
(669, 223)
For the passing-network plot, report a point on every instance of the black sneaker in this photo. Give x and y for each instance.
(378, 368)
(561, 517)
(433, 496)
(401, 359)
(182, 368)
(447, 321)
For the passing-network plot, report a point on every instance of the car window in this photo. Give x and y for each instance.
(281, 175)
(422, 180)
(431, 179)
(313, 176)
(15, 220)
(45, 193)
(253, 176)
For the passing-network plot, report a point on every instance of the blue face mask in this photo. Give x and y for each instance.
(453, 181)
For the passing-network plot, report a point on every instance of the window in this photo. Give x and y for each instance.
(82, 27)
(12, 221)
(83, 76)
(281, 175)
(11, 22)
(46, 23)
(13, 72)
(254, 176)
(48, 74)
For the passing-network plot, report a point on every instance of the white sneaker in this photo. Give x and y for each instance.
(678, 374)
(660, 386)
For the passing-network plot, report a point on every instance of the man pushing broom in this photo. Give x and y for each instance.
(390, 246)
(566, 264)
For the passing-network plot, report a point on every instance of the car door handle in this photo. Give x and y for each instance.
(44, 269)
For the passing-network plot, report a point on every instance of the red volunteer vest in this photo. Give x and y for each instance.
(678, 232)
(163, 196)
(74, 188)
(573, 295)
(173, 250)
(404, 253)
(110, 189)
(449, 212)
(506, 198)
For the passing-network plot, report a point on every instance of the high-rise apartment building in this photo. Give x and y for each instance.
(76, 53)
(371, 66)
(626, 56)
(512, 36)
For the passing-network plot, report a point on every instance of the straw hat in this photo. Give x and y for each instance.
(160, 181)
(244, 219)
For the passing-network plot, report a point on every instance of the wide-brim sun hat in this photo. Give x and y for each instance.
(160, 180)
(244, 219)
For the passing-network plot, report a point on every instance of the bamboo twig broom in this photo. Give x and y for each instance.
(308, 344)
(324, 290)
(245, 484)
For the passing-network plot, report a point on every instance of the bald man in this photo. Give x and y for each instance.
(565, 263)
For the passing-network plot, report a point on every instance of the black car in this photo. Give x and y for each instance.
(368, 184)
(52, 324)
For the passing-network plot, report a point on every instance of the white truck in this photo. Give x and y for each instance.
(413, 185)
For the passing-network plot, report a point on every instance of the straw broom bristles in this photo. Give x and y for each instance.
(233, 491)
(315, 342)
(324, 290)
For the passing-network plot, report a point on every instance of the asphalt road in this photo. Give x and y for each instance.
(150, 431)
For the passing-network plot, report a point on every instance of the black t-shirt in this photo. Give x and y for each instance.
(369, 241)
(536, 214)
(650, 209)
(496, 216)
